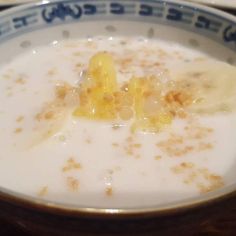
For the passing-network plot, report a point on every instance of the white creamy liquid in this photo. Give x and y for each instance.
(108, 175)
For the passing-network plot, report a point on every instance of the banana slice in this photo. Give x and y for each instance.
(51, 120)
(211, 83)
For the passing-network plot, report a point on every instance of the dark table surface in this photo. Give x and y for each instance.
(221, 223)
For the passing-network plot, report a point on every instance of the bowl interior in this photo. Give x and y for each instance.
(192, 26)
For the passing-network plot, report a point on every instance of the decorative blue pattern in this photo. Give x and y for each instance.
(117, 8)
(229, 34)
(61, 11)
(90, 9)
(147, 10)
(208, 24)
(183, 16)
(122, 8)
(25, 20)
(5, 28)
(178, 15)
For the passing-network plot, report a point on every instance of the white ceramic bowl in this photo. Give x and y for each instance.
(217, 3)
(191, 25)
(8, 3)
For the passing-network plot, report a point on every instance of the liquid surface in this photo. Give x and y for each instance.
(104, 163)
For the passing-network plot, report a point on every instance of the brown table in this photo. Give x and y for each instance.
(218, 220)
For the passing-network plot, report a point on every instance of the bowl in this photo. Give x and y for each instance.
(48, 22)
(218, 4)
(6, 4)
